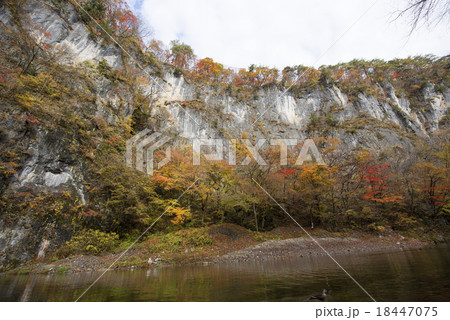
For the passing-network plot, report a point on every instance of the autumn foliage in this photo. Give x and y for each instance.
(376, 178)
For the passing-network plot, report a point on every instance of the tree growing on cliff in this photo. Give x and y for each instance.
(208, 70)
(182, 54)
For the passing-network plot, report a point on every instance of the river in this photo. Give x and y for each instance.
(415, 275)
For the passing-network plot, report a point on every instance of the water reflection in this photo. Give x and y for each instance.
(420, 275)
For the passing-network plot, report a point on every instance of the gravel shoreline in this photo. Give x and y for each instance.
(300, 247)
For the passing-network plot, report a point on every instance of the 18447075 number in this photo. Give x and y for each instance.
(407, 311)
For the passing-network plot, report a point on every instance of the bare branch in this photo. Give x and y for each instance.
(429, 12)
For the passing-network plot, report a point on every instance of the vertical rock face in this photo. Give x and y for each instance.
(28, 239)
(282, 115)
(51, 167)
(67, 33)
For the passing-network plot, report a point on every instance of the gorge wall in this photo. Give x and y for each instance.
(177, 107)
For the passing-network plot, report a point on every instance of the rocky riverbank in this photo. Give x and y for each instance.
(305, 246)
(230, 244)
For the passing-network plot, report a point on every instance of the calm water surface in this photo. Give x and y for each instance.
(417, 275)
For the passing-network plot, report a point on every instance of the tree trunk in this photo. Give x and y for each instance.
(256, 218)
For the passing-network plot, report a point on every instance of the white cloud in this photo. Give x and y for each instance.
(286, 32)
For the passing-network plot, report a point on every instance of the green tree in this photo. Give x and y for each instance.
(182, 54)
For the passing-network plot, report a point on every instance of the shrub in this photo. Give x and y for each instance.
(63, 269)
(95, 8)
(199, 237)
(92, 242)
(104, 68)
(177, 73)
(376, 228)
(178, 240)
(405, 223)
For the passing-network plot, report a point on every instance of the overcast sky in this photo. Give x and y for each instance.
(279, 33)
